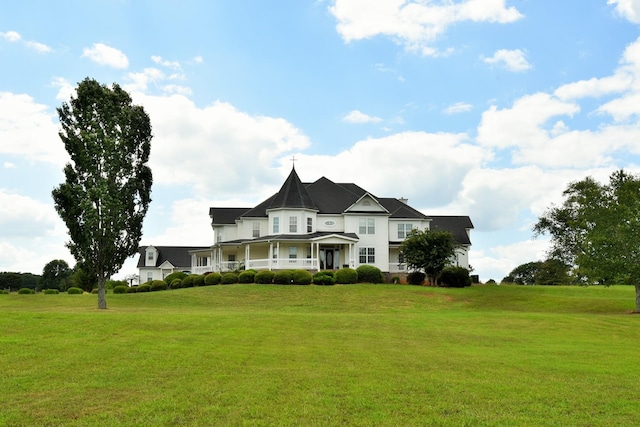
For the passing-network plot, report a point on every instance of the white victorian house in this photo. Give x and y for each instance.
(319, 225)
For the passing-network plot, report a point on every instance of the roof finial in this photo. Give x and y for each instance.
(293, 160)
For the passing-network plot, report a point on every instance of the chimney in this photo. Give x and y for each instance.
(403, 200)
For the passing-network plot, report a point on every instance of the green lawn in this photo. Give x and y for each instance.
(362, 355)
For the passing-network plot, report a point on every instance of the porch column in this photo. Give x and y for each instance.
(270, 256)
(247, 256)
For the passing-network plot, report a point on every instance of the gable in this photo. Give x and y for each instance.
(177, 256)
(367, 203)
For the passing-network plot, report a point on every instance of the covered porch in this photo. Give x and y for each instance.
(315, 252)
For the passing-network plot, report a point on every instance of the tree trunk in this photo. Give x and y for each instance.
(102, 294)
(637, 298)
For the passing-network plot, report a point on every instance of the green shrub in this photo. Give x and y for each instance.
(145, 287)
(301, 277)
(187, 282)
(264, 277)
(328, 273)
(247, 276)
(158, 285)
(323, 279)
(175, 275)
(132, 289)
(212, 279)
(416, 278)
(491, 282)
(455, 277)
(283, 277)
(346, 276)
(51, 291)
(175, 284)
(369, 274)
(229, 278)
(74, 291)
(26, 291)
(198, 280)
(4, 292)
(120, 289)
(94, 291)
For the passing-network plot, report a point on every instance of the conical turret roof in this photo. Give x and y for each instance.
(292, 194)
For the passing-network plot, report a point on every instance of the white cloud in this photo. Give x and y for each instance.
(195, 146)
(512, 60)
(165, 63)
(106, 55)
(28, 129)
(153, 77)
(458, 107)
(8, 165)
(13, 37)
(414, 24)
(628, 9)
(357, 116)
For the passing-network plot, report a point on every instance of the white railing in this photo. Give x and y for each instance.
(396, 267)
(202, 270)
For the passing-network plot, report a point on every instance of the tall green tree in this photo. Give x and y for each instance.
(597, 230)
(54, 274)
(429, 250)
(107, 190)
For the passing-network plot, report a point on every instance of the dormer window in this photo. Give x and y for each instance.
(293, 224)
(150, 256)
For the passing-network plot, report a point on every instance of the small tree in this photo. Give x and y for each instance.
(108, 184)
(597, 230)
(54, 274)
(429, 250)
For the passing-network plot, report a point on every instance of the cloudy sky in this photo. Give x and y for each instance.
(486, 108)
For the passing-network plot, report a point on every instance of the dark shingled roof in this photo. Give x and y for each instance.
(457, 225)
(178, 256)
(292, 194)
(226, 215)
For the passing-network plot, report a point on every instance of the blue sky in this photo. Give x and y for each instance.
(486, 108)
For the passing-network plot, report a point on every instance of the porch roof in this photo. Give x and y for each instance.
(320, 235)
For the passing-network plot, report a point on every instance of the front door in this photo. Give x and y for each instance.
(329, 259)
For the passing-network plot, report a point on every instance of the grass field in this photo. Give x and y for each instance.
(361, 355)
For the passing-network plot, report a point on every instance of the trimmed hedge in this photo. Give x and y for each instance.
(346, 276)
(51, 292)
(198, 280)
(145, 287)
(187, 282)
(26, 291)
(283, 277)
(321, 278)
(416, 278)
(175, 284)
(175, 275)
(120, 289)
(264, 277)
(132, 289)
(229, 278)
(247, 276)
(158, 285)
(301, 277)
(75, 291)
(212, 279)
(369, 274)
(455, 277)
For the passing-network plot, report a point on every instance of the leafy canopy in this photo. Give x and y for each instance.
(106, 194)
(429, 250)
(597, 229)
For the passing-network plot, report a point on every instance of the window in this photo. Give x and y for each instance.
(404, 230)
(367, 255)
(293, 253)
(276, 224)
(150, 255)
(202, 261)
(293, 224)
(367, 226)
(149, 276)
(309, 225)
(231, 258)
(256, 229)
